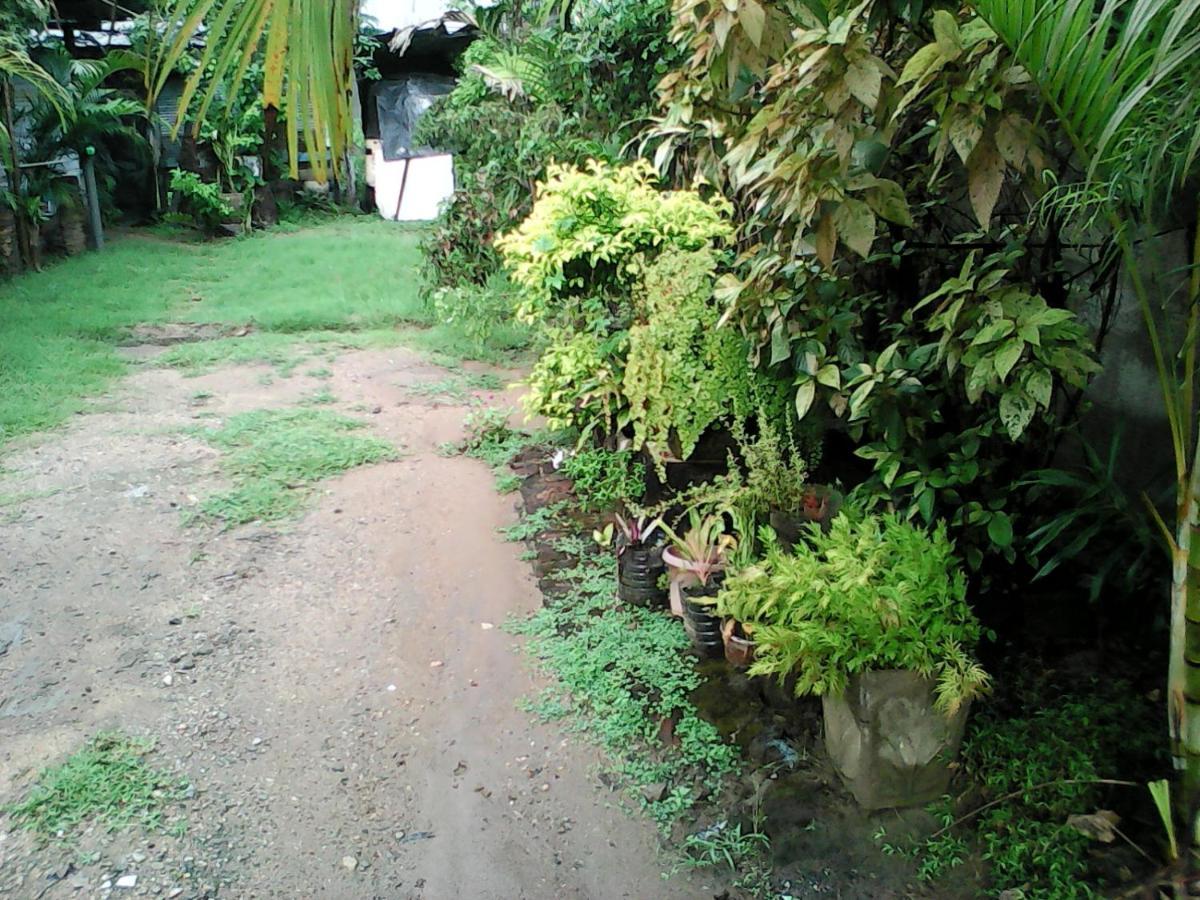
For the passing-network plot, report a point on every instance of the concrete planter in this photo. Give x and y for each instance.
(888, 743)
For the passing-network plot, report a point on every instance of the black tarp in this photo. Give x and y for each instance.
(399, 103)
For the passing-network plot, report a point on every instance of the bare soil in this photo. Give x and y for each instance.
(337, 688)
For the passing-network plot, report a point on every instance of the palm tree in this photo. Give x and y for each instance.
(15, 63)
(87, 111)
(308, 53)
(309, 59)
(1122, 79)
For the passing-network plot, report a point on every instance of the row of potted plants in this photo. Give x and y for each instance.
(866, 611)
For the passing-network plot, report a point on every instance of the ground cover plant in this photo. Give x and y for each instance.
(618, 678)
(1049, 776)
(108, 781)
(605, 479)
(274, 457)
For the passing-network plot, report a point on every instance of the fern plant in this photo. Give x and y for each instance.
(875, 592)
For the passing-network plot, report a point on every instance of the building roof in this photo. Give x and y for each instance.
(394, 15)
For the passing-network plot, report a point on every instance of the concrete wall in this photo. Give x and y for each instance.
(1126, 396)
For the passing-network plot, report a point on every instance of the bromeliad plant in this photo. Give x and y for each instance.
(636, 530)
(701, 552)
(875, 592)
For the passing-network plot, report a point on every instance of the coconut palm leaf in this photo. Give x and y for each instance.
(308, 48)
(15, 63)
(1123, 79)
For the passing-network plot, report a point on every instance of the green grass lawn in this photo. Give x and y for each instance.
(347, 282)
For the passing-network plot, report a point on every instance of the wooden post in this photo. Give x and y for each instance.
(95, 225)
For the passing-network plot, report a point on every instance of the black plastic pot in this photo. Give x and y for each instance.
(702, 626)
(639, 569)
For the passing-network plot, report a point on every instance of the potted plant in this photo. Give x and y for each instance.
(872, 617)
(697, 565)
(640, 565)
(777, 482)
(738, 638)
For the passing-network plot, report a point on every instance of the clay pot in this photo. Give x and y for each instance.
(702, 626)
(739, 649)
(639, 568)
(889, 744)
(790, 524)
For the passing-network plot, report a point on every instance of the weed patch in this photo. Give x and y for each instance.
(621, 674)
(274, 457)
(285, 352)
(108, 781)
(455, 388)
(538, 522)
(1044, 765)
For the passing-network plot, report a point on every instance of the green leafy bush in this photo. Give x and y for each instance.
(482, 312)
(617, 275)
(683, 372)
(200, 199)
(534, 94)
(605, 479)
(875, 592)
(776, 469)
(884, 160)
(584, 249)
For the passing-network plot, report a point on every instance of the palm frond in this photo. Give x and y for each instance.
(1110, 70)
(16, 63)
(309, 50)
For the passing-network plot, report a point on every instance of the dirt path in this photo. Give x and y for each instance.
(333, 688)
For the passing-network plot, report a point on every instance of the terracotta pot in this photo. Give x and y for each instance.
(790, 524)
(739, 649)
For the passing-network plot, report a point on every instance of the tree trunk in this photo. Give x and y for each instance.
(266, 211)
(13, 164)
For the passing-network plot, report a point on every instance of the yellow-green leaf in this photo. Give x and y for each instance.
(1040, 387)
(887, 199)
(924, 62)
(829, 376)
(965, 132)
(947, 34)
(855, 225)
(985, 178)
(805, 395)
(1016, 412)
(753, 18)
(826, 240)
(1008, 355)
(1012, 140)
(864, 80)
